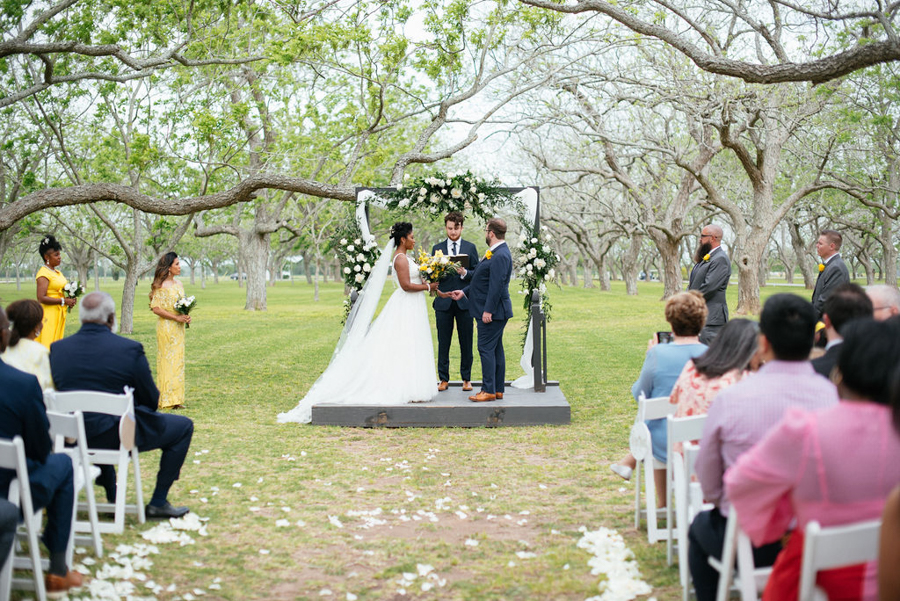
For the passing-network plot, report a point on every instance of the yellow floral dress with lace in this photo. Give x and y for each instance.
(169, 348)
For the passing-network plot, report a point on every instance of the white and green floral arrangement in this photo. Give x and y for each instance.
(536, 265)
(356, 256)
(439, 193)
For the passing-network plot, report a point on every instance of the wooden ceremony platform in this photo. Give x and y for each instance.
(453, 409)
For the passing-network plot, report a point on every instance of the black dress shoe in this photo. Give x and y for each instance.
(165, 512)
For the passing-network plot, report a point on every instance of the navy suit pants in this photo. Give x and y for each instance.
(444, 322)
(52, 488)
(174, 441)
(493, 359)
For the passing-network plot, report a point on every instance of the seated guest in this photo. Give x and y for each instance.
(686, 313)
(885, 301)
(9, 521)
(889, 547)
(800, 471)
(730, 356)
(742, 414)
(22, 414)
(96, 359)
(24, 352)
(846, 303)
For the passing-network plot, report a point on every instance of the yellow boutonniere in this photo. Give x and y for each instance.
(488, 255)
(821, 267)
(706, 257)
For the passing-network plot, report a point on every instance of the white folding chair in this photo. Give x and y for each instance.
(835, 547)
(678, 430)
(121, 406)
(749, 579)
(688, 503)
(12, 456)
(71, 426)
(641, 448)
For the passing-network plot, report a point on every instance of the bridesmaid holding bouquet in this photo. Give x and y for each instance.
(165, 292)
(50, 284)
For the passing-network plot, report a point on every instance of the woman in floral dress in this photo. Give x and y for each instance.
(164, 292)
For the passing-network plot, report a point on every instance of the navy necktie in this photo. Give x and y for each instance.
(454, 249)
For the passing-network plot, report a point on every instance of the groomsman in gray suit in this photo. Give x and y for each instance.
(447, 310)
(832, 271)
(710, 275)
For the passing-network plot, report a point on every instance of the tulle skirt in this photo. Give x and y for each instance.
(393, 364)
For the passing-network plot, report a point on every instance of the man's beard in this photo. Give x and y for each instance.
(487, 240)
(702, 251)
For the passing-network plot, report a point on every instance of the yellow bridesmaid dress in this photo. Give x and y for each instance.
(55, 314)
(169, 348)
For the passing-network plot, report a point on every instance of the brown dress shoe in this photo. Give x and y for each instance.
(483, 397)
(57, 586)
(467, 386)
(499, 396)
(443, 386)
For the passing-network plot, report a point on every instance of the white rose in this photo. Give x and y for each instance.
(529, 268)
(522, 271)
(367, 268)
(357, 241)
(456, 193)
(543, 288)
(343, 241)
(473, 189)
(403, 203)
(429, 270)
(545, 248)
(435, 198)
(540, 263)
(534, 240)
(532, 253)
(360, 278)
(360, 257)
(357, 268)
(351, 248)
(444, 191)
(481, 196)
(423, 191)
(347, 270)
(551, 274)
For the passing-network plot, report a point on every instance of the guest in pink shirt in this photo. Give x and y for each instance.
(837, 465)
(730, 356)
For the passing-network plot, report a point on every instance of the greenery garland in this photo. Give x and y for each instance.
(535, 265)
(357, 257)
(439, 194)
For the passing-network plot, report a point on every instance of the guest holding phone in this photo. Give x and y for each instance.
(686, 313)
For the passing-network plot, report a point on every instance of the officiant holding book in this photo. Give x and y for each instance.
(447, 311)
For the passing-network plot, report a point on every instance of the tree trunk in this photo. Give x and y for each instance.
(254, 251)
(306, 269)
(316, 278)
(96, 273)
(890, 251)
(588, 272)
(18, 278)
(605, 284)
(214, 263)
(748, 263)
(126, 313)
(802, 252)
(630, 264)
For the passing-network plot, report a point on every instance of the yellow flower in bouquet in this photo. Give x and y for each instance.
(435, 268)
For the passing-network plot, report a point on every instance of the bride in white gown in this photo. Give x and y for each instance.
(389, 361)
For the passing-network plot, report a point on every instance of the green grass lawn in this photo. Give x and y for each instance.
(540, 484)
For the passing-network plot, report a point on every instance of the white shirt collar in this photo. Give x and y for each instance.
(499, 242)
(826, 261)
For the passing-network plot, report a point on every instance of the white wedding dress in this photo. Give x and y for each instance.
(390, 362)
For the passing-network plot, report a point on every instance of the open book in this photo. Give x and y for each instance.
(461, 259)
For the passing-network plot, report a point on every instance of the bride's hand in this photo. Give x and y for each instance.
(443, 294)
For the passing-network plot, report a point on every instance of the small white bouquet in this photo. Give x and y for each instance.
(73, 290)
(185, 305)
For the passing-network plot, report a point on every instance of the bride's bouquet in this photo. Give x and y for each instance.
(435, 268)
(72, 290)
(185, 305)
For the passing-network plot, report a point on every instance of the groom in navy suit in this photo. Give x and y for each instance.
(446, 310)
(489, 304)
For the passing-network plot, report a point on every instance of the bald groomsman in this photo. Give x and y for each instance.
(710, 275)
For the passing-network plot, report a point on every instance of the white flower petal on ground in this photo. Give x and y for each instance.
(301, 523)
(335, 521)
(471, 542)
(264, 551)
(511, 564)
(254, 509)
(282, 523)
(198, 591)
(351, 597)
(615, 560)
(409, 576)
(525, 555)
(424, 569)
(427, 586)
(286, 509)
(325, 592)
(204, 500)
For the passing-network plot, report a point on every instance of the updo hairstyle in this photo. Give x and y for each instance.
(47, 244)
(399, 230)
(686, 313)
(24, 316)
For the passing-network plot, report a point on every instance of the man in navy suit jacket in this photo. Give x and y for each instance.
(490, 306)
(834, 273)
(22, 414)
(97, 359)
(446, 310)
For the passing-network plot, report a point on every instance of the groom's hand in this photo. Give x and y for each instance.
(456, 294)
(486, 317)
